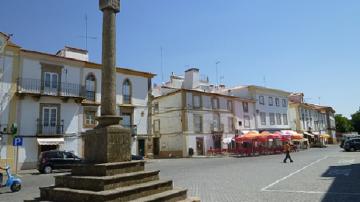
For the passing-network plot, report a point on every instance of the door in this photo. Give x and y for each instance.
(156, 146)
(141, 147)
(51, 82)
(49, 121)
(200, 146)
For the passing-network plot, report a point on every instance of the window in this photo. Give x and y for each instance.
(90, 87)
(215, 103)
(216, 121)
(156, 126)
(51, 82)
(245, 107)
(49, 122)
(277, 102)
(240, 123)
(278, 119)
(126, 91)
(197, 123)
(247, 121)
(231, 127)
(90, 116)
(126, 119)
(272, 118)
(271, 101)
(261, 100)
(196, 101)
(285, 119)
(284, 103)
(156, 107)
(263, 118)
(229, 105)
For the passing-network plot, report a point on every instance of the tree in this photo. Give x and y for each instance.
(355, 120)
(343, 124)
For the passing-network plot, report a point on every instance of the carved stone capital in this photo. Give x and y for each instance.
(110, 4)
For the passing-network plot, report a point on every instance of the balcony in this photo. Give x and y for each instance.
(126, 99)
(52, 129)
(133, 129)
(90, 95)
(38, 87)
(218, 128)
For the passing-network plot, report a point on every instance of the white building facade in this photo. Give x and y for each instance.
(271, 108)
(57, 98)
(188, 115)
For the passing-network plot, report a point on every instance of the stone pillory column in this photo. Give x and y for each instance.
(108, 173)
(108, 142)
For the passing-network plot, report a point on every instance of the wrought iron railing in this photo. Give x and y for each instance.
(50, 128)
(126, 99)
(217, 127)
(36, 86)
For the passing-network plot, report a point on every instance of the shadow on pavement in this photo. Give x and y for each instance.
(346, 183)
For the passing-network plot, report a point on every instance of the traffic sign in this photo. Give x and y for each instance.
(18, 141)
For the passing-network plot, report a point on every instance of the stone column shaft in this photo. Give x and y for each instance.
(108, 80)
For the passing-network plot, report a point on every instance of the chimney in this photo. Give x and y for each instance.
(74, 53)
(192, 78)
(296, 97)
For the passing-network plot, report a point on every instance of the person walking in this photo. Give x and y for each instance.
(287, 148)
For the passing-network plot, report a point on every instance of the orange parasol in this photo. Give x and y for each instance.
(297, 136)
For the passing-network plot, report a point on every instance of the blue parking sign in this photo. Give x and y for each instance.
(17, 141)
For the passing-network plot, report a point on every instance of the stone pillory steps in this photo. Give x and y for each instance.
(120, 181)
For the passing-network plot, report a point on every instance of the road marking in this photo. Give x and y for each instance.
(291, 174)
(313, 192)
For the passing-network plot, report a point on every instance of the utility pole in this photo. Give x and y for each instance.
(217, 76)
(161, 64)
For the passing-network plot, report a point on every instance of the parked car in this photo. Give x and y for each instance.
(55, 159)
(136, 157)
(352, 144)
(345, 138)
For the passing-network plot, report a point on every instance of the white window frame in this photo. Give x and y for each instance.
(263, 118)
(272, 118)
(261, 100)
(246, 121)
(245, 107)
(285, 119)
(198, 123)
(277, 102)
(278, 119)
(156, 126)
(271, 101)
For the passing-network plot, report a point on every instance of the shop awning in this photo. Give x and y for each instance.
(50, 141)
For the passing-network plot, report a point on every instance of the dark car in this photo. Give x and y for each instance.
(352, 144)
(345, 138)
(136, 157)
(51, 160)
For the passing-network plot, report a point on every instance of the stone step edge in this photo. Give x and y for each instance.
(113, 164)
(112, 191)
(163, 195)
(110, 177)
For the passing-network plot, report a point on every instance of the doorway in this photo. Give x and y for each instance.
(156, 146)
(200, 146)
(141, 147)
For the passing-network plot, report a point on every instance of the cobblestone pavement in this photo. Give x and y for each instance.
(325, 174)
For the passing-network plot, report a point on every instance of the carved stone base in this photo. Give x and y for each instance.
(108, 144)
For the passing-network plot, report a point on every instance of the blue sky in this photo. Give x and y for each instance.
(300, 46)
